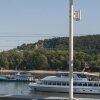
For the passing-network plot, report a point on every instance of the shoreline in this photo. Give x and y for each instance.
(34, 72)
(42, 72)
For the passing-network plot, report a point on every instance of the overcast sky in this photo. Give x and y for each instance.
(27, 21)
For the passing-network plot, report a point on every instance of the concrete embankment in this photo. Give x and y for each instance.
(19, 97)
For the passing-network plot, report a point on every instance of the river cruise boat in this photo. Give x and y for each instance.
(18, 77)
(23, 77)
(60, 83)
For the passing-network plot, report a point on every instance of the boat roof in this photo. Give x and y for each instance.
(54, 78)
(23, 74)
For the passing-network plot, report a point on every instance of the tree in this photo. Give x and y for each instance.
(40, 61)
(27, 60)
(15, 59)
(4, 61)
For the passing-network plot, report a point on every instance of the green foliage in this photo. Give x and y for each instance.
(15, 59)
(4, 63)
(52, 54)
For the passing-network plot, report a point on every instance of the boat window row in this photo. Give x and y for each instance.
(67, 83)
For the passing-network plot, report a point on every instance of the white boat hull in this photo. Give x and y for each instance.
(77, 89)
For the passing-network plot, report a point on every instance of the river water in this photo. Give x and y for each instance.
(21, 88)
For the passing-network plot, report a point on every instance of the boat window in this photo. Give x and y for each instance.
(53, 83)
(49, 83)
(75, 84)
(67, 83)
(90, 84)
(95, 84)
(45, 82)
(58, 83)
(79, 84)
(63, 83)
(84, 84)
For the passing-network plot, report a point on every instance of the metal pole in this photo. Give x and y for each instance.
(70, 49)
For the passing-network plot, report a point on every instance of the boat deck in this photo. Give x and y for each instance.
(20, 97)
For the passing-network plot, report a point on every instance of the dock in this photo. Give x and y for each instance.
(25, 97)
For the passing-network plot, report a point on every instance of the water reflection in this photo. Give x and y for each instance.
(13, 88)
(46, 94)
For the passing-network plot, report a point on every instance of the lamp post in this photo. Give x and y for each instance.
(70, 49)
(73, 15)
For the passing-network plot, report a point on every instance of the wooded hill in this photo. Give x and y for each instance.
(52, 54)
(88, 44)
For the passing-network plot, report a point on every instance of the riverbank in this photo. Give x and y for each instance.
(43, 72)
(32, 71)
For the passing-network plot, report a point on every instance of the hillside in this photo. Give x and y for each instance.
(53, 54)
(88, 44)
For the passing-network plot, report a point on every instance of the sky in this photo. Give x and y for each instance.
(27, 21)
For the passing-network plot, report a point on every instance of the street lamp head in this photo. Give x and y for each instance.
(77, 15)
